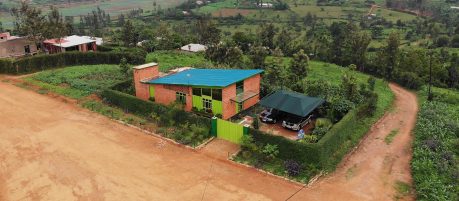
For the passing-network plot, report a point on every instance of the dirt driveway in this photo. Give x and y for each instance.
(50, 150)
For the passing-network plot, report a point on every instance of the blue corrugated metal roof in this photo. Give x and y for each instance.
(206, 77)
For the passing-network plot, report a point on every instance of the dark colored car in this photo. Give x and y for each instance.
(271, 116)
(295, 123)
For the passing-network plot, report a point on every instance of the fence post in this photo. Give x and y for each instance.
(213, 126)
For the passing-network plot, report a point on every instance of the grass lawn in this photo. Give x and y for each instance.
(78, 81)
(171, 59)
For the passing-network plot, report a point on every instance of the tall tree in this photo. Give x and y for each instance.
(299, 66)
(391, 54)
(258, 55)
(208, 32)
(29, 22)
(356, 51)
(267, 33)
(128, 35)
(56, 27)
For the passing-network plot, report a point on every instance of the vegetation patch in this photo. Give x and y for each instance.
(435, 165)
(172, 59)
(390, 137)
(403, 189)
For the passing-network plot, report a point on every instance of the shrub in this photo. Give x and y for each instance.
(292, 167)
(270, 151)
(409, 79)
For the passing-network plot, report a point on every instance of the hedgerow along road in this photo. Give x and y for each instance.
(52, 150)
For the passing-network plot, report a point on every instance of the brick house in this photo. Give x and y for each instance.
(14, 46)
(70, 43)
(219, 91)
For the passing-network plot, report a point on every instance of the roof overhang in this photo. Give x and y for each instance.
(240, 98)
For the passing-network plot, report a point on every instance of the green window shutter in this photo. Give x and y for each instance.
(152, 91)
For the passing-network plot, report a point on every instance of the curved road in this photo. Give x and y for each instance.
(51, 150)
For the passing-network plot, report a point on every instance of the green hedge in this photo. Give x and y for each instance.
(144, 108)
(42, 62)
(329, 150)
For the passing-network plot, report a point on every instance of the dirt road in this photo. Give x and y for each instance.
(370, 173)
(50, 150)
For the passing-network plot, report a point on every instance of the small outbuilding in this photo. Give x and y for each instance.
(194, 48)
(70, 43)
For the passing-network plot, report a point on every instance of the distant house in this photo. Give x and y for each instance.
(218, 91)
(70, 43)
(264, 5)
(14, 46)
(194, 48)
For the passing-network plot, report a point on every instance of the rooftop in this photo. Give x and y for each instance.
(206, 77)
(145, 66)
(70, 41)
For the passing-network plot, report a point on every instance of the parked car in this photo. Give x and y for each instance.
(271, 116)
(295, 123)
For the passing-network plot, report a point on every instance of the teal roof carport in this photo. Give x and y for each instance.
(291, 102)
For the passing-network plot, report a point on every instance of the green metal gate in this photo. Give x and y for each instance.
(228, 130)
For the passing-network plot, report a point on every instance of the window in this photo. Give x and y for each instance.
(180, 97)
(207, 92)
(239, 87)
(240, 107)
(217, 94)
(197, 91)
(207, 104)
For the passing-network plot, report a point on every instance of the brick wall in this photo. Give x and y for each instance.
(252, 83)
(142, 90)
(229, 107)
(166, 94)
(251, 102)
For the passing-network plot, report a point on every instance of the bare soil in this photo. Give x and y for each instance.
(371, 171)
(54, 150)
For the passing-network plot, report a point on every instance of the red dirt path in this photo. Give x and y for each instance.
(50, 150)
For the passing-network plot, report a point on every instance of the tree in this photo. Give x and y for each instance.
(56, 27)
(376, 31)
(267, 33)
(124, 68)
(121, 20)
(442, 41)
(1, 27)
(243, 40)
(356, 49)
(208, 33)
(29, 22)
(391, 53)
(283, 40)
(453, 72)
(299, 66)
(128, 35)
(276, 74)
(257, 56)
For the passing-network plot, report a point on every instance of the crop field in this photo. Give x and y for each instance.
(113, 7)
(436, 147)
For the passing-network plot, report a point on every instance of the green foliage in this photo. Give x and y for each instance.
(171, 59)
(389, 138)
(44, 62)
(87, 79)
(270, 151)
(435, 165)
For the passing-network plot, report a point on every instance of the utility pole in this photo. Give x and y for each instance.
(429, 95)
